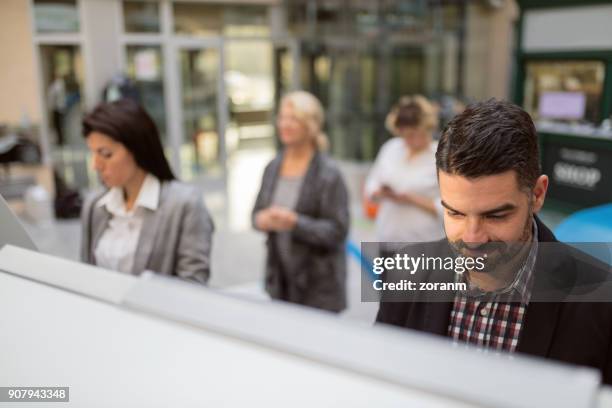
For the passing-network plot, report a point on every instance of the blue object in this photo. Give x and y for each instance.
(592, 226)
(366, 264)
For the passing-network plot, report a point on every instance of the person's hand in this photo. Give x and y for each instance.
(399, 198)
(403, 198)
(264, 220)
(384, 192)
(283, 219)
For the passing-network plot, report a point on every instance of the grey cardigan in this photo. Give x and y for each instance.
(316, 273)
(175, 239)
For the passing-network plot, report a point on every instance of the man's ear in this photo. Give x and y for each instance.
(539, 192)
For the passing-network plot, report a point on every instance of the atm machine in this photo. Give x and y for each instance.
(118, 340)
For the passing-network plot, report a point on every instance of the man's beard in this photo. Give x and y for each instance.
(496, 254)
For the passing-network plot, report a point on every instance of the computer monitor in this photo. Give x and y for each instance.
(11, 230)
(562, 105)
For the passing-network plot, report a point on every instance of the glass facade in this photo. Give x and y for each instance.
(201, 148)
(145, 69)
(62, 67)
(358, 57)
(204, 19)
(249, 81)
(246, 21)
(141, 17)
(56, 16)
(198, 19)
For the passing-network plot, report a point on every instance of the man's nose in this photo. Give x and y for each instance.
(474, 233)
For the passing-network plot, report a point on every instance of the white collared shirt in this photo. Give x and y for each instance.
(117, 246)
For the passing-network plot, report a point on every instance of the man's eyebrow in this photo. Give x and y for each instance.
(448, 207)
(501, 208)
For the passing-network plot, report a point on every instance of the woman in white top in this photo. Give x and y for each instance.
(145, 219)
(403, 179)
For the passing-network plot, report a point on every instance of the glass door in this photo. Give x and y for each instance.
(145, 69)
(202, 113)
(345, 77)
(62, 76)
(249, 78)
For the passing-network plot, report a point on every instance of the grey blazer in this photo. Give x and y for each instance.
(316, 273)
(175, 239)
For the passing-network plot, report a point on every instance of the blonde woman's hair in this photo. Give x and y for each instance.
(412, 111)
(309, 111)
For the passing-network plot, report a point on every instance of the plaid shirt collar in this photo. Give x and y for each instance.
(520, 288)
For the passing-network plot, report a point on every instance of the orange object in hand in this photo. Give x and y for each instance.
(370, 208)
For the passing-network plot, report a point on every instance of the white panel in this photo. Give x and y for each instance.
(12, 232)
(170, 343)
(413, 359)
(568, 29)
(80, 278)
(110, 357)
(605, 397)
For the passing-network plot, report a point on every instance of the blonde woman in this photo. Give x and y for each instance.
(403, 179)
(303, 207)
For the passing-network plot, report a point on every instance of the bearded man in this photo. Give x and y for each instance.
(536, 295)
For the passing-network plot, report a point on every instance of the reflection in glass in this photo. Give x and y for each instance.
(218, 19)
(246, 21)
(344, 105)
(141, 17)
(297, 15)
(331, 18)
(283, 73)
(249, 74)
(564, 90)
(198, 19)
(366, 18)
(63, 78)
(347, 81)
(407, 72)
(56, 16)
(250, 88)
(144, 64)
(199, 78)
(359, 57)
(62, 68)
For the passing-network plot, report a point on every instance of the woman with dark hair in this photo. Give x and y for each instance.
(145, 219)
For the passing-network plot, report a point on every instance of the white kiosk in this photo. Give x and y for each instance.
(117, 340)
(121, 341)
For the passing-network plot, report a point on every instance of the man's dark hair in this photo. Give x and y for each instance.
(489, 138)
(126, 122)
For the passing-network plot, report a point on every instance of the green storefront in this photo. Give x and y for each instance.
(564, 80)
